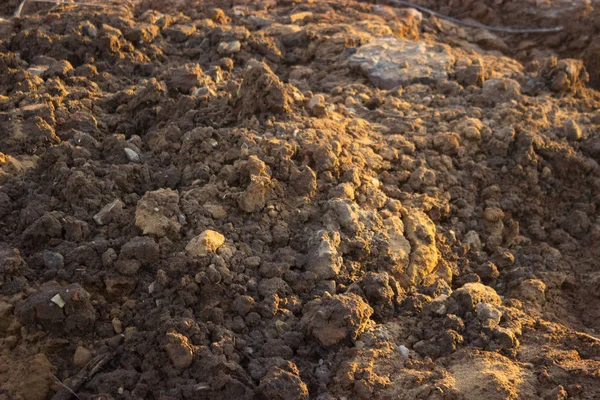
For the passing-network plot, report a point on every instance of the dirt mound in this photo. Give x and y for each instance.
(293, 200)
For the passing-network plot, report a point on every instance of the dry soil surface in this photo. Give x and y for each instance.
(299, 200)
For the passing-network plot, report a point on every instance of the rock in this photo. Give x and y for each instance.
(109, 213)
(332, 319)
(81, 357)
(389, 62)
(472, 239)
(323, 258)
(572, 131)
(180, 352)
(229, 48)
(76, 315)
(318, 106)
(474, 293)
(62, 69)
(487, 312)
(531, 290)
(53, 260)
(207, 242)
(279, 384)
(89, 29)
(132, 155)
(157, 213)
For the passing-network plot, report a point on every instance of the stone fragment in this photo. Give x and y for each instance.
(81, 357)
(389, 62)
(109, 212)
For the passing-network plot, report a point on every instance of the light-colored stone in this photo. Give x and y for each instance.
(109, 212)
(390, 62)
(81, 357)
(228, 48)
(205, 243)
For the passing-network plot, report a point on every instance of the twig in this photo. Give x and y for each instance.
(59, 2)
(64, 386)
(475, 24)
(89, 370)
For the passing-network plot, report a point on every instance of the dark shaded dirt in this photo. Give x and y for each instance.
(294, 200)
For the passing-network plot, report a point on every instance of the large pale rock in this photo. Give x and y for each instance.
(390, 62)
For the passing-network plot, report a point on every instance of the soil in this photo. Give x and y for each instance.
(292, 200)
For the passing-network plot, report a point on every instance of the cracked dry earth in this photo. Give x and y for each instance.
(293, 200)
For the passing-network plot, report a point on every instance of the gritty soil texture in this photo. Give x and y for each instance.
(299, 200)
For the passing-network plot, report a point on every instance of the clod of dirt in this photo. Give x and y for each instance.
(183, 79)
(332, 319)
(279, 384)
(572, 131)
(255, 197)
(389, 62)
(531, 290)
(324, 259)
(471, 294)
(564, 76)
(32, 378)
(420, 232)
(179, 350)
(262, 91)
(157, 213)
(205, 243)
(58, 309)
(317, 105)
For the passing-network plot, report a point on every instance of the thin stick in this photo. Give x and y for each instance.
(475, 24)
(87, 372)
(60, 2)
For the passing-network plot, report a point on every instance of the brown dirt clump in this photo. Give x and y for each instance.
(298, 200)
